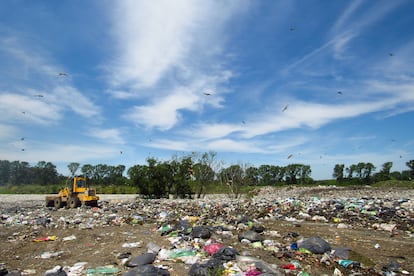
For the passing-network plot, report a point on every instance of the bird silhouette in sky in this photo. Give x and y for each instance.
(62, 74)
(22, 138)
(285, 108)
(290, 156)
(38, 95)
(339, 92)
(22, 149)
(391, 54)
(207, 93)
(120, 152)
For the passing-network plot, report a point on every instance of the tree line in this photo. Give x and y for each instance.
(364, 173)
(192, 174)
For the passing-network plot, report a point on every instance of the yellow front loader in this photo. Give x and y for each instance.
(77, 195)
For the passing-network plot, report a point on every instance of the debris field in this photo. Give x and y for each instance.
(278, 231)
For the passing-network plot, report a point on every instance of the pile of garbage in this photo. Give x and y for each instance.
(216, 237)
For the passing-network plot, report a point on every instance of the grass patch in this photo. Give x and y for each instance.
(394, 184)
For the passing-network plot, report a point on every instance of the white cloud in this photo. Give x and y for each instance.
(163, 113)
(109, 135)
(152, 37)
(352, 23)
(60, 153)
(212, 131)
(7, 131)
(16, 107)
(74, 100)
(169, 44)
(229, 145)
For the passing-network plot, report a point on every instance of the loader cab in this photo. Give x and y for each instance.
(79, 184)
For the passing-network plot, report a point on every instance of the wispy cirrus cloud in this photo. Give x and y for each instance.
(354, 21)
(35, 88)
(26, 108)
(302, 114)
(110, 135)
(178, 46)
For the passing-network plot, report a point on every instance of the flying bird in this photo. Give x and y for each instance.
(22, 138)
(390, 54)
(339, 92)
(207, 93)
(22, 149)
(290, 156)
(38, 95)
(284, 109)
(120, 151)
(62, 74)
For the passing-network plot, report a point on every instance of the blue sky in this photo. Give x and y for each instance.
(325, 82)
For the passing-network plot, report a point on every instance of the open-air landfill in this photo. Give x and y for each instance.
(286, 231)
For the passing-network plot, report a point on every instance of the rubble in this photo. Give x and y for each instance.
(269, 234)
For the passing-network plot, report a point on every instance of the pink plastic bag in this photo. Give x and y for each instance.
(212, 248)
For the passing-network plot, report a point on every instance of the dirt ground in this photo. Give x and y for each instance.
(101, 244)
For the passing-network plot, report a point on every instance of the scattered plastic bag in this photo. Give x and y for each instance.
(132, 244)
(315, 245)
(43, 239)
(51, 254)
(212, 248)
(103, 270)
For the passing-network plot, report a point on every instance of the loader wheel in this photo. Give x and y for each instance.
(50, 203)
(74, 202)
(58, 203)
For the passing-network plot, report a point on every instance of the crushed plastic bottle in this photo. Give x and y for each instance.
(103, 270)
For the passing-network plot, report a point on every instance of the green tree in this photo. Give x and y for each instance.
(203, 172)
(46, 173)
(351, 170)
(265, 175)
(183, 174)
(139, 176)
(305, 174)
(4, 172)
(406, 175)
(21, 173)
(87, 171)
(384, 173)
(396, 175)
(233, 178)
(252, 176)
(278, 174)
(410, 164)
(293, 171)
(73, 167)
(338, 173)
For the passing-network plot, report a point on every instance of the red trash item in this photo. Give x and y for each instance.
(212, 248)
(42, 239)
(289, 266)
(253, 272)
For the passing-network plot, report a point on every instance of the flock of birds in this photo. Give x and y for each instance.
(59, 75)
(207, 93)
(339, 92)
